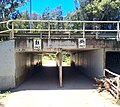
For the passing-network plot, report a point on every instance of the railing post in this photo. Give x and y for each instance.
(104, 72)
(118, 31)
(12, 33)
(49, 40)
(83, 29)
(118, 86)
(49, 29)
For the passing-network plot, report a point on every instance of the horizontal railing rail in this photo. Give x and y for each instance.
(115, 88)
(58, 26)
(3, 27)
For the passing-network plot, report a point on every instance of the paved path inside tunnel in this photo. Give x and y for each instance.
(42, 90)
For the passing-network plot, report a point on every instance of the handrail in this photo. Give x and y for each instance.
(112, 73)
(6, 30)
(116, 91)
(65, 21)
(70, 29)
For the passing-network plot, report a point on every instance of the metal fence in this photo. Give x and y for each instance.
(50, 27)
(114, 81)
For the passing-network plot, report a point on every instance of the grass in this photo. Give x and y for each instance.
(4, 94)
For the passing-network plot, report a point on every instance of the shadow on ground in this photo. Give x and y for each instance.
(47, 78)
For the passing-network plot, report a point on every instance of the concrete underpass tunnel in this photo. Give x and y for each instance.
(47, 66)
(82, 63)
(50, 65)
(113, 61)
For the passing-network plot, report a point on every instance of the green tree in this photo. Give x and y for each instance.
(26, 25)
(54, 14)
(8, 9)
(102, 10)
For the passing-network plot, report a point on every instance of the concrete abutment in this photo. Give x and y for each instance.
(17, 58)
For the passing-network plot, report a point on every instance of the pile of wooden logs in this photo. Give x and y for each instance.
(108, 84)
(102, 84)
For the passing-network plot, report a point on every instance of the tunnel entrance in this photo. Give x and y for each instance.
(113, 61)
(84, 65)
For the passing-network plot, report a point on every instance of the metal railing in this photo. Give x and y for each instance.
(3, 27)
(115, 85)
(63, 27)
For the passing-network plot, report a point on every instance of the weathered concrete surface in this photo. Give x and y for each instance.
(24, 44)
(23, 64)
(14, 66)
(18, 59)
(91, 63)
(7, 64)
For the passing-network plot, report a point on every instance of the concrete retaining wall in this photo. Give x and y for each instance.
(91, 63)
(7, 64)
(23, 64)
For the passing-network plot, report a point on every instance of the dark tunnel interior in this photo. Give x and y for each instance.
(113, 61)
(47, 78)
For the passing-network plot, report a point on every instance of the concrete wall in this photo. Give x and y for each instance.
(91, 63)
(7, 64)
(14, 66)
(27, 44)
(23, 63)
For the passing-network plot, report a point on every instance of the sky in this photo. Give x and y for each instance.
(39, 5)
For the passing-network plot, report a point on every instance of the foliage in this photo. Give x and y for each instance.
(8, 9)
(4, 94)
(25, 16)
(54, 14)
(96, 10)
(65, 57)
(49, 57)
(102, 10)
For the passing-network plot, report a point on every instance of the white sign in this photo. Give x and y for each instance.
(37, 43)
(82, 43)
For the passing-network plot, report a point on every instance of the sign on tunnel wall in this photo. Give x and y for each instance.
(82, 43)
(37, 43)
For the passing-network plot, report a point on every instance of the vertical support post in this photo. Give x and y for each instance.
(59, 63)
(97, 35)
(118, 31)
(83, 29)
(71, 58)
(60, 69)
(118, 86)
(49, 40)
(57, 59)
(49, 29)
(12, 33)
(104, 72)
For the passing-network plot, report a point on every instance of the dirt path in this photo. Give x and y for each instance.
(57, 98)
(42, 90)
